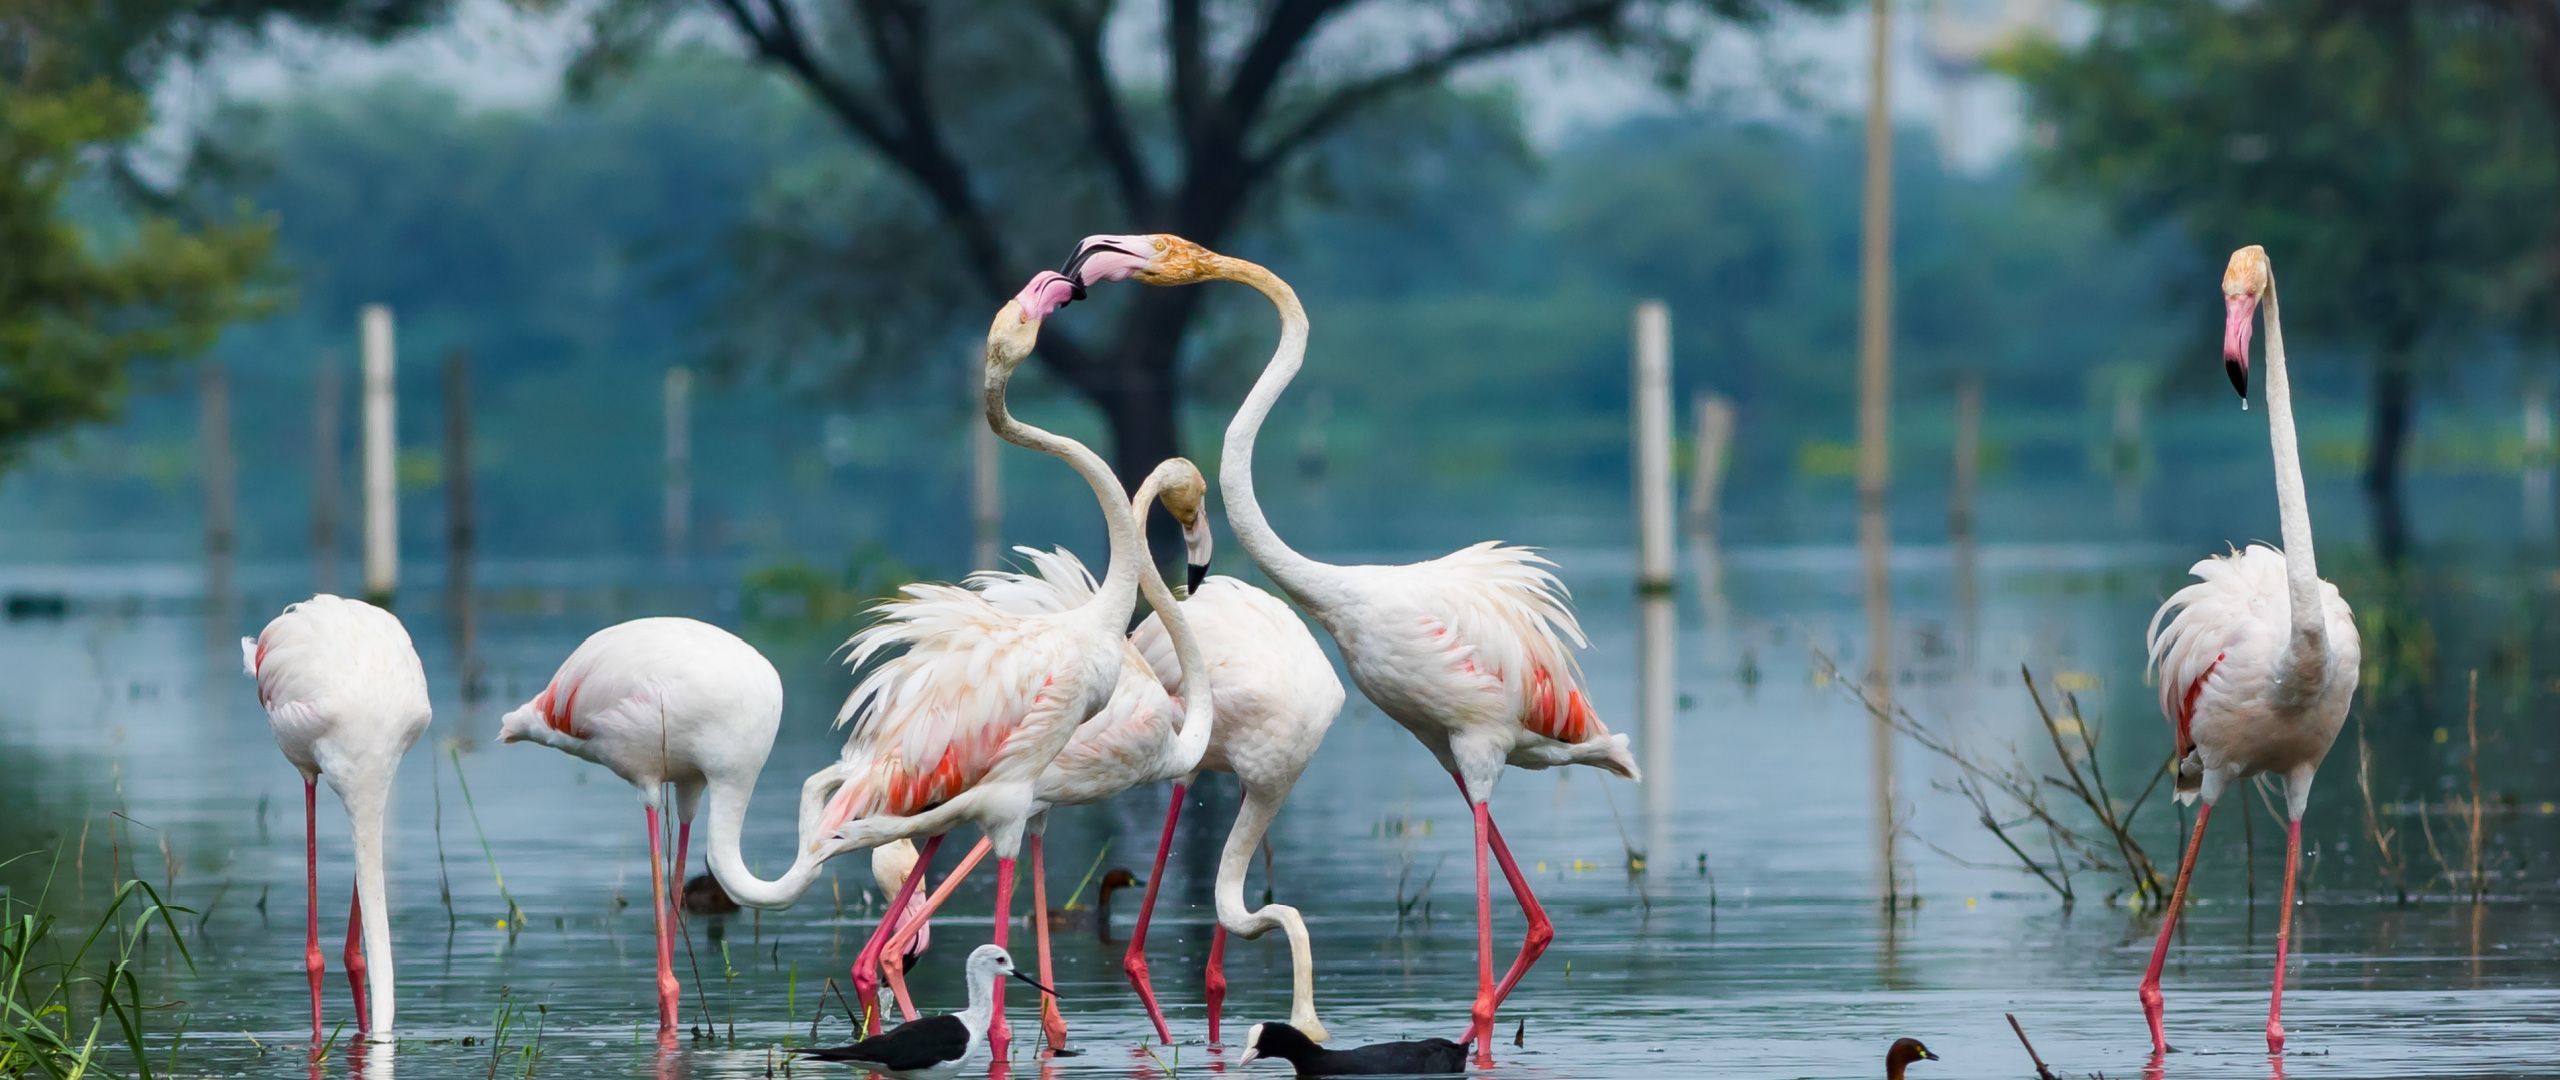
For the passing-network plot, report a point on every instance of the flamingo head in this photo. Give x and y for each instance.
(1017, 326)
(1157, 259)
(1184, 492)
(2244, 282)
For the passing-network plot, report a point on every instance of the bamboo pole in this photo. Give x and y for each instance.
(676, 509)
(1960, 518)
(221, 485)
(1875, 395)
(381, 449)
(986, 495)
(461, 528)
(328, 480)
(1714, 417)
(1655, 683)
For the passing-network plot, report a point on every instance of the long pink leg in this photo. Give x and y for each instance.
(866, 965)
(1480, 1018)
(893, 956)
(355, 959)
(312, 963)
(1052, 1025)
(1134, 962)
(2152, 1005)
(2284, 936)
(1541, 931)
(999, 1033)
(667, 988)
(1213, 983)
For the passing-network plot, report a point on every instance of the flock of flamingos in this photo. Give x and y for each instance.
(992, 702)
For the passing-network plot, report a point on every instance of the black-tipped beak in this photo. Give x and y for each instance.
(2239, 372)
(1929, 1055)
(1191, 582)
(1075, 263)
(1035, 983)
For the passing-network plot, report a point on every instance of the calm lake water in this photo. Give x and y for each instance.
(1750, 944)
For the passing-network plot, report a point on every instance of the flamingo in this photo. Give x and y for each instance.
(1143, 735)
(2257, 661)
(672, 701)
(1276, 695)
(347, 697)
(967, 704)
(1468, 651)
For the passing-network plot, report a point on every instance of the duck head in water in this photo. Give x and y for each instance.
(1903, 1053)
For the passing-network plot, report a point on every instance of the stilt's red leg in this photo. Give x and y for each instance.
(667, 988)
(1134, 962)
(2150, 991)
(1213, 984)
(1480, 1028)
(1052, 1025)
(893, 956)
(866, 964)
(355, 958)
(1541, 931)
(312, 963)
(999, 1033)
(2284, 936)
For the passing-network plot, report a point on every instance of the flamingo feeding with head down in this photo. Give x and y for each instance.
(963, 704)
(1471, 652)
(2257, 662)
(678, 702)
(347, 697)
(1143, 735)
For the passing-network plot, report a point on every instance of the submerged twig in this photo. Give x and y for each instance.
(2042, 1073)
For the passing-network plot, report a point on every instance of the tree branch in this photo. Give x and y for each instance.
(1106, 122)
(1291, 25)
(1348, 99)
(1187, 65)
(777, 37)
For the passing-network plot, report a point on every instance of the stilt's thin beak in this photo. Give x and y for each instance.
(1035, 983)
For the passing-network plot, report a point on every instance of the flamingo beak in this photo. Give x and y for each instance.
(2239, 318)
(1104, 258)
(1045, 294)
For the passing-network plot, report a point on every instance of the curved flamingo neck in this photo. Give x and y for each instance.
(1117, 596)
(1301, 577)
(728, 812)
(2293, 510)
(1192, 740)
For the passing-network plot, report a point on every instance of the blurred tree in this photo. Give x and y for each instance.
(99, 268)
(2379, 150)
(1013, 133)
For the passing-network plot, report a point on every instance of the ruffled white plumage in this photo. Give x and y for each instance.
(2220, 642)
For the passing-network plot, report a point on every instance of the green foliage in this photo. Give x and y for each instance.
(797, 592)
(80, 310)
(2390, 156)
(67, 1005)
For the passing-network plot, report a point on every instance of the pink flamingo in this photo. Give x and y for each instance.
(2258, 660)
(1468, 651)
(347, 698)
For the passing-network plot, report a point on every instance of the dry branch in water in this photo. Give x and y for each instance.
(2108, 848)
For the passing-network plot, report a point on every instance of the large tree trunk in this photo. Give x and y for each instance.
(2394, 404)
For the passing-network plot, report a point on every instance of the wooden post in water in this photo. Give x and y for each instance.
(381, 464)
(986, 494)
(221, 489)
(1655, 685)
(327, 480)
(1714, 417)
(461, 530)
(676, 510)
(2537, 458)
(1960, 517)
(1875, 401)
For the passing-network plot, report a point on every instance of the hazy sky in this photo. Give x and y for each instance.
(493, 52)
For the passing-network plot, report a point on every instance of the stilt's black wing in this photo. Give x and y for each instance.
(922, 1044)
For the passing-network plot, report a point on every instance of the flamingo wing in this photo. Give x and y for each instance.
(330, 657)
(949, 679)
(1122, 745)
(1057, 581)
(2213, 644)
(1497, 611)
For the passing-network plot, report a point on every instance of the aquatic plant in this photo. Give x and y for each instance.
(47, 982)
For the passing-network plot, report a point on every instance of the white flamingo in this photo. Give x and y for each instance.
(967, 704)
(2258, 660)
(1468, 651)
(670, 701)
(347, 698)
(1143, 735)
